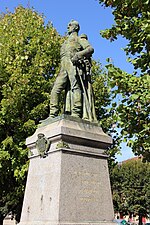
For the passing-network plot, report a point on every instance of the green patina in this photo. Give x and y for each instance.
(74, 77)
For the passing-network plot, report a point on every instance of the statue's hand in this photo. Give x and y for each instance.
(76, 58)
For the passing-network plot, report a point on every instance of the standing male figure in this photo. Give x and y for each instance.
(72, 51)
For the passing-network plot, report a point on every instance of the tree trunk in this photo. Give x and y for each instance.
(140, 218)
(1, 220)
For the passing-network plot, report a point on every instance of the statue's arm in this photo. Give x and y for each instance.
(86, 52)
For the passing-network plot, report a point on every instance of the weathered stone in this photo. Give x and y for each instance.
(71, 185)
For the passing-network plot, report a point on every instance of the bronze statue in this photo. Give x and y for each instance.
(74, 77)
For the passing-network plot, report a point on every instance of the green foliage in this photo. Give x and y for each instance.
(130, 187)
(102, 94)
(131, 114)
(103, 99)
(29, 59)
(132, 21)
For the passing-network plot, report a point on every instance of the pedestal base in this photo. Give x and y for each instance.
(53, 223)
(70, 184)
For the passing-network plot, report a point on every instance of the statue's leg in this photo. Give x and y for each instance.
(59, 85)
(76, 110)
(68, 100)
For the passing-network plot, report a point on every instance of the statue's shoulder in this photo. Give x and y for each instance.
(83, 39)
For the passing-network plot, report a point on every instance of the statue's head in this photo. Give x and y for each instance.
(84, 36)
(73, 26)
(40, 135)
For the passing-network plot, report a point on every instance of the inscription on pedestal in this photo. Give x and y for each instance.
(90, 186)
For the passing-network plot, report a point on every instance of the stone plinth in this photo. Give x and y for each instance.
(69, 183)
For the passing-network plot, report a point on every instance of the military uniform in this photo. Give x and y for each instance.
(72, 49)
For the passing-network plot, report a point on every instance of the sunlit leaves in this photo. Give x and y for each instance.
(131, 113)
(29, 59)
(105, 113)
(132, 21)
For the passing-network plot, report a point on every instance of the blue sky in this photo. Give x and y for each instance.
(92, 18)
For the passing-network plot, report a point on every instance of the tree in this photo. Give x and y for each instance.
(132, 21)
(103, 100)
(131, 114)
(29, 60)
(130, 187)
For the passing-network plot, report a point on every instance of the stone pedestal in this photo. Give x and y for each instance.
(69, 182)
